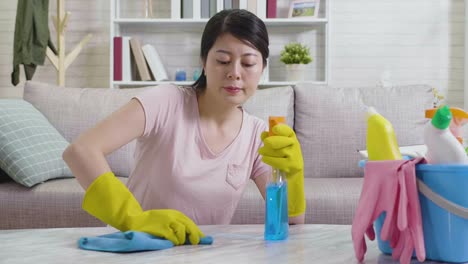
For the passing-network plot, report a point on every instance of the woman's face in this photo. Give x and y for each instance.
(233, 70)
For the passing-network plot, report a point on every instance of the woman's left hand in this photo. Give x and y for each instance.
(283, 151)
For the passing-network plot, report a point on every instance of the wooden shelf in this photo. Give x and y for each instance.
(153, 83)
(201, 22)
(149, 83)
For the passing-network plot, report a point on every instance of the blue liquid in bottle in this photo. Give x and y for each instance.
(276, 213)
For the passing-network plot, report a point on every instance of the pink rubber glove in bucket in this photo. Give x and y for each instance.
(379, 194)
(390, 186)
(409, 216)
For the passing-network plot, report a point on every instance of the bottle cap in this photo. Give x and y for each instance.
(442, 118)
(370, 111)
(273, 121)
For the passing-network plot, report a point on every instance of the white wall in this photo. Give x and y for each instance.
(417, 41)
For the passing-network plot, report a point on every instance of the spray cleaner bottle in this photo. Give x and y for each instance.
(276, 211)
(442, 145)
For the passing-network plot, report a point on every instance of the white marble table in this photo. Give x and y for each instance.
(232, 244)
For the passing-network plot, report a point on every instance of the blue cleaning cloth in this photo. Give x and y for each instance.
(130, 241)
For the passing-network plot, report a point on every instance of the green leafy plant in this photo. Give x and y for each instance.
(295, 53)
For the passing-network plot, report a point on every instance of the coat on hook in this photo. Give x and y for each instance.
(31, 37)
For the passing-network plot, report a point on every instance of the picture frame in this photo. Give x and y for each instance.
(302, 9)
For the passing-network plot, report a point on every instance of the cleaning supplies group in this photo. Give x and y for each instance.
(443, 147)
(388, 191)
(390, 184)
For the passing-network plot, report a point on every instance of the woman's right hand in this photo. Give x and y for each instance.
(170, 224)
(109, 200)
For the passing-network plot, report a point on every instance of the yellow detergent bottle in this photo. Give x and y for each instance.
(381, 141)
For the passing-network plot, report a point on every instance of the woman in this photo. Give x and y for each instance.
(196, 147)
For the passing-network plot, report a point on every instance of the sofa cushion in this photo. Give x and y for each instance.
(30, 147)
(73, 110)
(330, 123)
(56, 203)
(278, 101)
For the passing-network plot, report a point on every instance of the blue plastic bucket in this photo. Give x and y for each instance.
(443, 195)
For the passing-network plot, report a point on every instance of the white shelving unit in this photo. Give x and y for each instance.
(149, 30)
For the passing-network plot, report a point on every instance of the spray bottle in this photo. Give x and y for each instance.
(442, 145)
(276, 205)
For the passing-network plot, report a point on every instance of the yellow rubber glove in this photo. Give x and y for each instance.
(109, 200)
(283, 151)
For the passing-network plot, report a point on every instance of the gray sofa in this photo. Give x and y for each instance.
(329, 121)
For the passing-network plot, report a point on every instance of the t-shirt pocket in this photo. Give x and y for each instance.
(236, 175)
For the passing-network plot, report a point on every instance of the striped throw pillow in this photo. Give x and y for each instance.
(30, 147)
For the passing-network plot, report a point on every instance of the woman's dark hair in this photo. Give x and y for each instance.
(240, 23)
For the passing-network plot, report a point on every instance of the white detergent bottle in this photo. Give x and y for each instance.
(442, 146)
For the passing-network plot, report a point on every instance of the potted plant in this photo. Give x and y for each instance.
(295, 56)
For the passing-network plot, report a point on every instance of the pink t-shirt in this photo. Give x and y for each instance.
(174, 167)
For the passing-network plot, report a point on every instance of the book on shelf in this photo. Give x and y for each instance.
(242, 4)
(235, 4)
(271, 8)
(126, 60)
(205, 9)
(213, 9)
(239, 4)
(142, 68)
(187, 9)
(208, 8)
(117, 58)
(175, 9)
(123, 70)
(252, 6)
(196, 12)
(227, 4)
(155, 63)
(258, 7)
(261, 9)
